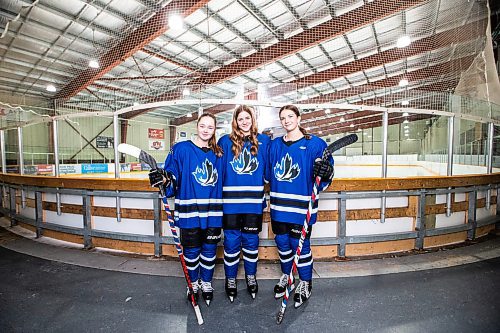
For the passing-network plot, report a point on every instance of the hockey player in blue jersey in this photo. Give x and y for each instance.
(294, 162)
(192, 171)
(244, 161)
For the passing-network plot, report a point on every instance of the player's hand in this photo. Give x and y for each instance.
(323, 169)
(158, 177)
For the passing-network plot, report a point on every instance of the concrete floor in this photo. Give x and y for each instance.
(61, 292)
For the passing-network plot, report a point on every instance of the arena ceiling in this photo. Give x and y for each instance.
(108, 54)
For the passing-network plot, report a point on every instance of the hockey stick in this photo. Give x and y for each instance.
(340, 143)
(149, 160)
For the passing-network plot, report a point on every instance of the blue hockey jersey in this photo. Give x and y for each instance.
(290, 172)
(243, 177)
(196, 186)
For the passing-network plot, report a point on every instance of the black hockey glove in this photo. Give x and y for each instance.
(158, 177)
(323, 169)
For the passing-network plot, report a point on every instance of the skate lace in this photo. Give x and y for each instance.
(231, 283)
(206, 286)
(302, 288)
(283, 280)
(251, 281)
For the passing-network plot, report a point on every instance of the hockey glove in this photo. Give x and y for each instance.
(323, 169)
(158, 177)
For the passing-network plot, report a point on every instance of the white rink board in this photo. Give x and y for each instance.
(65, 219)
(127, 226)
(134, 203)
(442, 221)
(375, 227)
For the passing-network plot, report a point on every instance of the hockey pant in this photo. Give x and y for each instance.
(200, 251)
(241, 235)
(287, 240)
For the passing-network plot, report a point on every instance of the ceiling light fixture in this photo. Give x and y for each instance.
(175, 22)
(51, 88)
(403, 41)
(405, 102)
(186, 92)
(403, 83)
(93, 64)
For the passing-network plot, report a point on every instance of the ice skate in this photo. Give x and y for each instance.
(302, 293)
(207, 292)
(280, 287)
(231, 289)
(252, 285)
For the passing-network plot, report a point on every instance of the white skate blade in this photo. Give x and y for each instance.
(253, 295)
(231, 299)
(208, 302)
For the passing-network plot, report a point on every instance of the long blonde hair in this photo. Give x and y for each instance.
(237, 136)
(212, 143)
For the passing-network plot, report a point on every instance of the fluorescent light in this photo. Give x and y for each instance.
(342, 119)
(352, 125)
(405, 122)
(175, 22)
(406, 126)
(93, 64)
(403, 41)
(51, 88)
(405, 102)
(327, 111)
(186, 92)
(407, 134)
(403, 83)
(406, 114)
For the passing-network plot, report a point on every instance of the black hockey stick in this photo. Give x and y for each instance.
(340, 143)
(149, 160)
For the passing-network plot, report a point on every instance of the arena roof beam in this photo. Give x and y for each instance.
(457, 35)
(352, 20)
(148, 31)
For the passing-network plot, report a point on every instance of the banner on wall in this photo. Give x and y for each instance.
(65, 169)
(104, 142)
(30, 169)
(135, 167)
(156, 133)
(45, 169)
(94, 168)
(156, 145)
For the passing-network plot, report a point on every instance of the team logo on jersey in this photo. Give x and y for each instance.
(286, 171)
(206, 175)
(245, 164)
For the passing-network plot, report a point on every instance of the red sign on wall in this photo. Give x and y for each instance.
(156, 133)
(45, 169)
(135, 167)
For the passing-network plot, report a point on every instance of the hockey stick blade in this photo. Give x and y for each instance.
(342, 142)
(137, 153)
